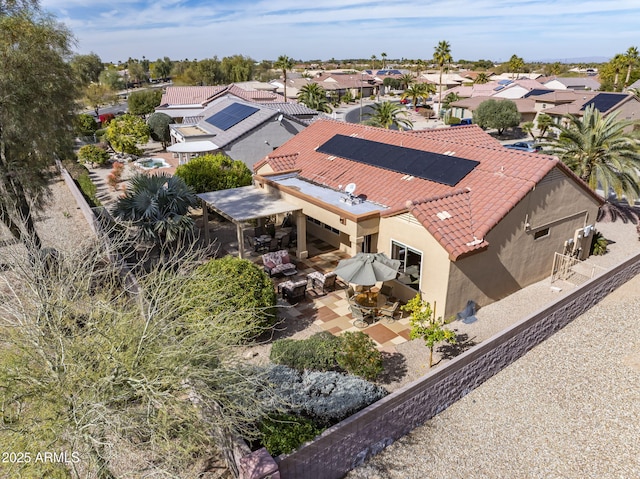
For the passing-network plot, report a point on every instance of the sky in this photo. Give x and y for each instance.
(323, 29)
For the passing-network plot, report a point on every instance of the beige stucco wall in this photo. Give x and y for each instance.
(514, 259)
(435, 261)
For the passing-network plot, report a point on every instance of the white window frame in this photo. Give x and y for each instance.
(403, 264)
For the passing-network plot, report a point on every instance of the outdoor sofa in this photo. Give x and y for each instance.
(278, 262)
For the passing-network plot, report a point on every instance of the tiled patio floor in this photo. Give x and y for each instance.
(330, 311)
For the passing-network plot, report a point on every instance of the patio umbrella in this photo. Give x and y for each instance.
(367, 269)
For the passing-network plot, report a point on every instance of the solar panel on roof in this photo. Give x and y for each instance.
(231, 115)
(444, 169)
(603, 101)
(536, 92)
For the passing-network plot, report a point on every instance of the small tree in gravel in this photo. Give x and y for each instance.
(126, 132)
(425, 325)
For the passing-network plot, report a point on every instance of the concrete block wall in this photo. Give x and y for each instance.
(349, 443)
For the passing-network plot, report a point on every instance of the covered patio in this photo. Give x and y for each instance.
(248, 203)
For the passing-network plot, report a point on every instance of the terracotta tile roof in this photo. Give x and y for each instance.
(525, 105)
(469, 134)
(476, 204)
(189, 95)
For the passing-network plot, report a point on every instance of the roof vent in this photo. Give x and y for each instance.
(444, 215)
(331, 158)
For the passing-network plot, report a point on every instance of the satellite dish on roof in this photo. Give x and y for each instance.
(350, 188)
(280, 117)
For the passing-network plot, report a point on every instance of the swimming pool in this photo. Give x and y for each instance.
(152, 163)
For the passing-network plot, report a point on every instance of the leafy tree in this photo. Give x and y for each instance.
(84, 125)
(158, 205)
(214, 172)
(236, 68)
(97, 95)
(126, 132)
(37, 96)
(136, 71)
(442, 57)
(516, 64)
(417, 91)
(392, 83)
(600, 151)
(159, 128)
(498, 114)
(314, 96)
(387, 115)
(425, 325)
(87, 68)
(246, 292)
(144, 102)
(544, 122)
(161, 68)
(93, 154)
(483, 65)
(87, 366)
(553, 69)
(284, 63)
(111, 78)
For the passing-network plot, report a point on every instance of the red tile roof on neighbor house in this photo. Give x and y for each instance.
(458, 216)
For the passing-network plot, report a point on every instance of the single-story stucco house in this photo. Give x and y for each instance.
(467, 218)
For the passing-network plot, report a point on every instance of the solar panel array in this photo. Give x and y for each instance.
(231, 115)
(444, 169)
(603, 101)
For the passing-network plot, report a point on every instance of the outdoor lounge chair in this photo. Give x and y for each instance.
(295, 292)
(361, 319)
(323, 282)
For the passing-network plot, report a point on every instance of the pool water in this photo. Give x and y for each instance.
(152, 163)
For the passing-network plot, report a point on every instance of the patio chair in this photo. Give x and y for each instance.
(273, 245)
(361, 318)
(296, 292)
(350, 292)
(387, 290)
(323, 282)
(389, 311)
(285, 240)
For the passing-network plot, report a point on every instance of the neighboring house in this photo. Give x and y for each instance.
(516, 89)
(240, 129)
(625, 105)
(464, 108)
(189, 101)
(467, 218)
(573, 83)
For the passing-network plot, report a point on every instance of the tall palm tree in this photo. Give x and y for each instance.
(387, 115)
(373, 62)
(442, 57)
(418, 91)
(383, 55)
(515, 65)
(158, 205)
(618, 62)
(544, 123)
(600, 151)
(285, 64)
(632, 56)
(419, 67)
(314, 96)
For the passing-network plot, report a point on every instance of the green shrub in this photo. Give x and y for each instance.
(214, 172)
(358, 355)
(317, 353)
(93, 154)
(284, 433)
(237, 291)
(354, 353)
(599, 244)
(452, 120)
(84, 125)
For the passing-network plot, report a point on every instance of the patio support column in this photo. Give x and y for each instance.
(240, 241)
(205, 221)
(301, 231)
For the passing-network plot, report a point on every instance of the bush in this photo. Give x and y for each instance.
(284, 433)
(93, 154)
(80, 175)
(244, 295)
(324, 397)
(105, 119)
(317, 352)
(84, 125)
(599, 244)
(354, 353)
(452, 120)
(214, 172)
(358, 355)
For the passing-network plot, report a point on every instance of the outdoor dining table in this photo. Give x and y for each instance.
(371, 301)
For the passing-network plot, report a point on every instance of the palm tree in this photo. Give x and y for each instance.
(285, 64)
(158, 205)
(384, 60)
(515, 65)
(442, 57)
(373, 62)
(387, 115)
(314, 96)
(481, 79)
(418, 91)
(600, 151)
(618, 62)
(632, 58)
(419, 67)
(450, 98)
(406, 80)
(543, 123)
